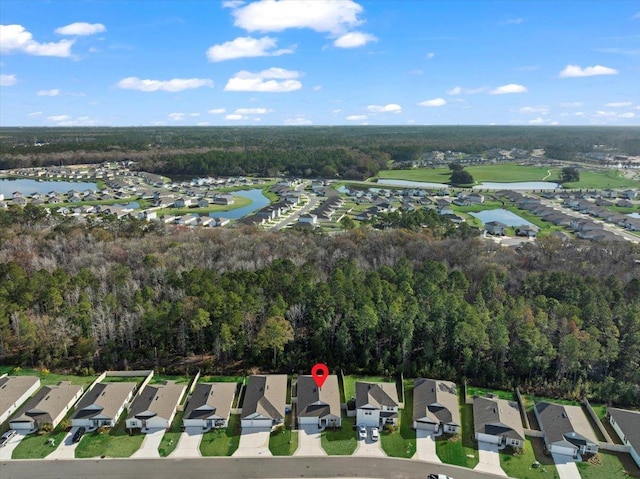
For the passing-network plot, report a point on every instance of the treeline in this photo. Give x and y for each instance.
(554, 318)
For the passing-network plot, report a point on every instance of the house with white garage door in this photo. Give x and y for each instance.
(566, 429)
(14, 390)
(497, 421)
(209, 405)
(103, 405)
(318, 406)
(264, 401)
(155, 406)
(435, 406)
(627, 425)
(49, 406)
(376, 404)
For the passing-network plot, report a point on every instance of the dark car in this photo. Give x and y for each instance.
(78, 434)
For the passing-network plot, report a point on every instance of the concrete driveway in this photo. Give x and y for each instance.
(309, 443)
(254, 442)
(150, 444)
(10, 445)
(426, 447)
(368, 447)
(189, 443)
(67, 448)
(489, 459)
(566, 467)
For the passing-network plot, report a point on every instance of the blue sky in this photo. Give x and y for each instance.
(319, 62)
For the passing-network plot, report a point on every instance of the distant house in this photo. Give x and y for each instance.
(209, 405)
(376, 404)
(497, 421)
(14, 390)
(203, 203)
(49, 406)
(435, 406)
(183, 203)
(224, 199)
(627, 426)
(308, 218)
(527, 230)
(476, 198)
(318, 406)
(264, 401)
(155, 406)
(566, 429)
(495, 228)
(103, 405)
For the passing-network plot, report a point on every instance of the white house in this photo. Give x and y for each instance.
(14, 390)
(566, 429)
(209, 405)
(376, 404)
(155, 406)
(103, 405)
(627, 426)
(49, 406)
(318, 406)
(497, 421)
(435, 406)
(264, 401)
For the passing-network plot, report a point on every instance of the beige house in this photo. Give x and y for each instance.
(209, 406)
(264, 401)
(318, 406)
(497, 421)
(102, 405)
(48, 406)
(566, 429)
(14, 390)
(155, 406)
(435, 406)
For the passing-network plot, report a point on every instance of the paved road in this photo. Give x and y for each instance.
(231, 467)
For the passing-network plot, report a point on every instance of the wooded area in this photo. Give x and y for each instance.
(555, 318)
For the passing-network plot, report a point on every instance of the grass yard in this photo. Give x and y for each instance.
(341, 442)
(474, 391)
(170, 439)
(460, 452)
(163, 378)
(222, 442)
(520, 466)
(350, 383)
(611, 467)
(283, 441)
(498, 173)
(402, 443)
(47, 378)
(115, 442)
(36, 446)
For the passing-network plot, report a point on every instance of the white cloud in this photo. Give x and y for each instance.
(317, 88)
(575, 104)
(81, 28)
(325, 16)
(542, 110)
(628, 114)
(245, 47)
(176, 116)
(52, 92)
(390, 108)
(619, 104)
(217, 111)
(430, 55)
(336, 111)
(58, 118)
(510, 88)
(194, 114)
(458, 90)
(203, 123)
(251, 111)
(232, 3)
(15, 39)
(579, 113)
(357, 117)
(274, 80)
(34, 113)
(8, 80)
(354, 40)
(299, 120)
(572, 71)
(234, 116)
(176, 84)
(433, 102)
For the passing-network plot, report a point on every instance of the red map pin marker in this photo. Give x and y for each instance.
(319, 372)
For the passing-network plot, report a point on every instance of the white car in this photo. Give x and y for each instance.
(6, 436)
(375, 435)
(362, 432)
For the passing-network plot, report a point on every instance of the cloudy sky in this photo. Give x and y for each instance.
(319, 62)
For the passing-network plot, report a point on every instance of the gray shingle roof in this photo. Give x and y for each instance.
(497, 417)
(48, 403)
(315, 402)
(210, 401)
(12, 388)
(265, 396)
(562, 424)
(435, 401)
(376, 395)
(105, 399)
(157, 400)
(629, 423)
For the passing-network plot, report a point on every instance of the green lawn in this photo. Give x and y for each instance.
(47, 378)
(474, 391)
(163, 378)
(461, 451)
(36, 446)
(402, 443)
(603, 179)
(170, 439)
(283, 442)
(610, 467)
(222, 442)
(115, 442)
(341, 442)
(498, 173)
(350, 383)
(520, 466)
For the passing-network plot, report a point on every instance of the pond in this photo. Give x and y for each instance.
(634, 215)
(503, 216)
(523, 185)
(413, 184)
(258, 201)
(28, 187)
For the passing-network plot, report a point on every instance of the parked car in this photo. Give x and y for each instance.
(375, 434)
(6, 436)
(362, 432)
(439, 476)
(78, 434)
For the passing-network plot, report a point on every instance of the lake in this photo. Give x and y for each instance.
(27, 187)
(524, 185)
(503, 216)
(258, 201)
(413, 184)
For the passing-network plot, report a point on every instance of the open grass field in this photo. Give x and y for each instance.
(612, 466)
(341, 442)
(520, 466)
(402, 443)
(605, 179)
(462, 451)
(115, 442)
(170, 439)
(222, 442)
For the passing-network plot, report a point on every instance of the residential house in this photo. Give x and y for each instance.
(103, 405)
(627, 425)
(48, 406)
(435, 406)
(14, 390)
(529, 231)
(183, 203)
(497, 421)
(224, 199)
(308, 218)
(203, 203)
(209, 406)
(155, 406)
(476, 198)
(566, 429)
(318, 406)
(376, 404)
(264, 401)
(495, 228)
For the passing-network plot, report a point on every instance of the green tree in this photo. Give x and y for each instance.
(569, 174)
(275, 333)
(461, 178)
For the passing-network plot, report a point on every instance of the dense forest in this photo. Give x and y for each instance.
(329, 152)
(556, 318)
